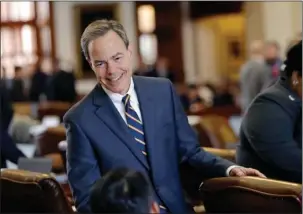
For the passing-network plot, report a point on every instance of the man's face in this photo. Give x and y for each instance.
(271, 52)
(111, 62)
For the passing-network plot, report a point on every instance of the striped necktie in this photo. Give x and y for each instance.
(134, 124)
(136, 128)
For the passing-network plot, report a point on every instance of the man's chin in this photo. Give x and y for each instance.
(120, 87)
(117, 89)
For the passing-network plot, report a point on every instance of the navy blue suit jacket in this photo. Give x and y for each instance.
(99, 140)
(271, 134)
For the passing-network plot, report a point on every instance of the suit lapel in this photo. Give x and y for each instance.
(108, 113)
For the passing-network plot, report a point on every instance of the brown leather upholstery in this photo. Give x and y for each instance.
(192, 178)
(250, 195)
(53, 108)
(225, 111)
(47, 145)
(29, 192)
(48, 142)
(229, 154)
(220, 128)
(205, 137)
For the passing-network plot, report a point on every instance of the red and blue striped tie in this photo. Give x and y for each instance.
(134, 124)
(136, 128)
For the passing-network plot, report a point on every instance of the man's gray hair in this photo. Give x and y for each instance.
(100, 28)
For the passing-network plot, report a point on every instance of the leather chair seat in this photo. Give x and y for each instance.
(47, 143)
(250, 195)
(30, 192)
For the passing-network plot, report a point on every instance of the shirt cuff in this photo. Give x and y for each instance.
(229, 169)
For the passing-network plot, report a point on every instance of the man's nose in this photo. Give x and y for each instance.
(110, 68)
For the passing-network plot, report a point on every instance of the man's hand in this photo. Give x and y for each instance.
(242, 171)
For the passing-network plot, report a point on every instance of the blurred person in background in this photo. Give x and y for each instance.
(142, 68)
(9, 150)
(194, 101)
(255, 75)
(134, 122)
(162, 69)
(7, 83)
(223, 95)
(17, 90)
(271, 131)
(207, 92)
(61, 85)
(190, 97)
(123, 191)
(38, 83)
(273, 59)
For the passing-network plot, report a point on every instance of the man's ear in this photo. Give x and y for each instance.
(130, 49)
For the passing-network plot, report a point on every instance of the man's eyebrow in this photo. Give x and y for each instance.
(98, 61)
(116, 55)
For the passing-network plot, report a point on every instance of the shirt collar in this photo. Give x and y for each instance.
(116, 97)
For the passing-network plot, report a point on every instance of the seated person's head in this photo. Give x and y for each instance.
(122, 191)
(293, 67)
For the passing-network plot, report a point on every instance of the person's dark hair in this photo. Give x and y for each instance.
(121, 191)
(293, 60)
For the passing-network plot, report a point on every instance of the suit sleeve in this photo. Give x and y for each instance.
(270, 133)
(9, 150)
(189, 149)
(82, 165)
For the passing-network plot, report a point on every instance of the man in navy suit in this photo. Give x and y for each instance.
(132, 122)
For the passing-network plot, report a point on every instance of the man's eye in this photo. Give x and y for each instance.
(99, 64)
(117, 59)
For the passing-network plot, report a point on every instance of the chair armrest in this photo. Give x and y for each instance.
(229, 154)
(221, 195)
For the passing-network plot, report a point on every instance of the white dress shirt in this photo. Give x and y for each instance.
(117, 101)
